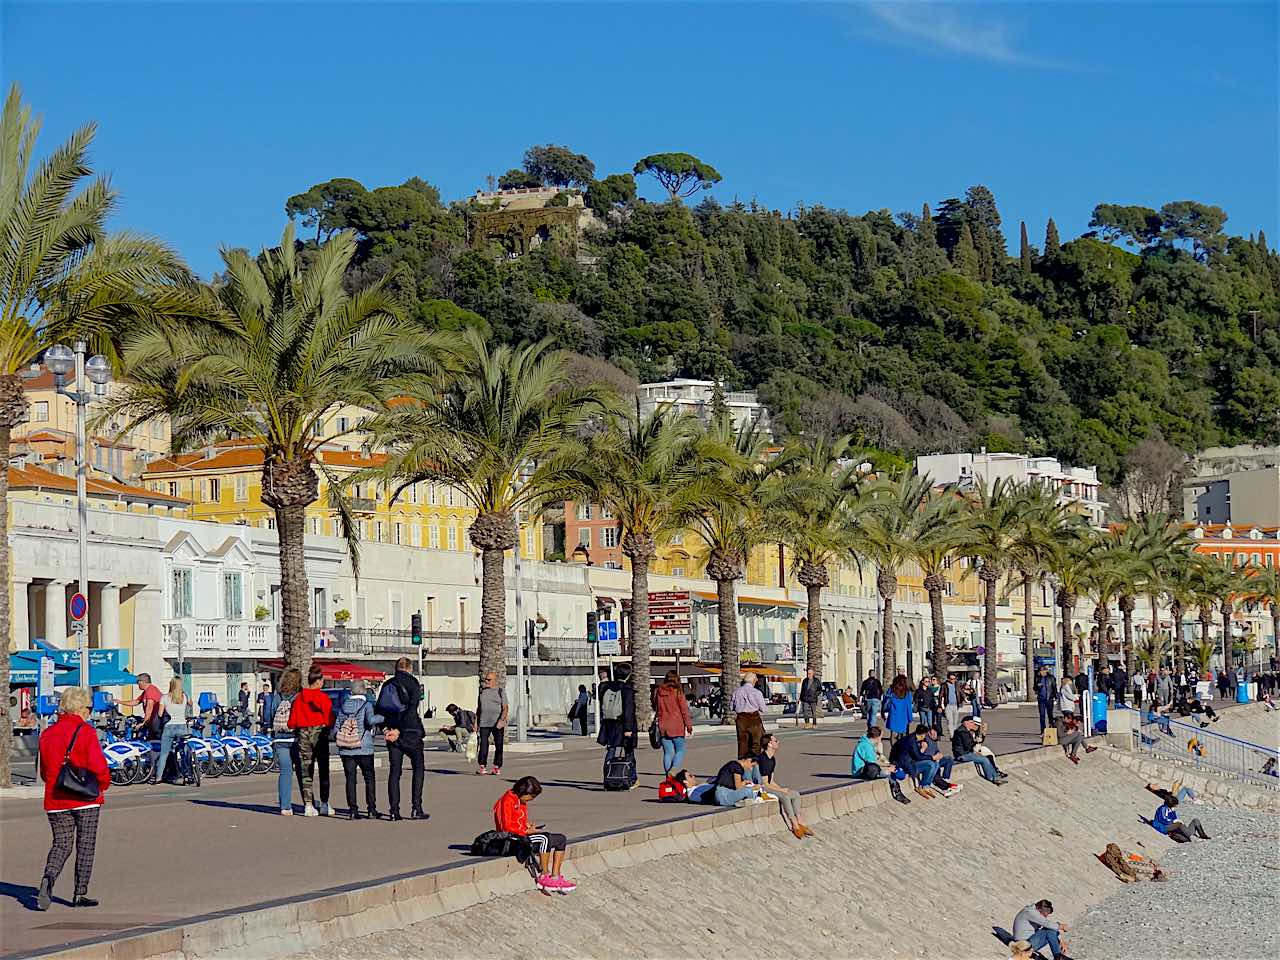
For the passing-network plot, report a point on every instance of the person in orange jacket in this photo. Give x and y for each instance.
(511, 814)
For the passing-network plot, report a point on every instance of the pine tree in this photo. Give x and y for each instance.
(982, 246)
(1024, 250)
(719, 406)
(1051, 243)
(965, 256)
(1262, 237)
(928, 232)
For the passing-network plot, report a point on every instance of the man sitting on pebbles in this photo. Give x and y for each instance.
(1033, 925)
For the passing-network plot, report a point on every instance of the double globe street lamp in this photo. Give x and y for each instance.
(62, 361)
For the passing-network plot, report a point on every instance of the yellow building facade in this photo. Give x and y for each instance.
(224, 484)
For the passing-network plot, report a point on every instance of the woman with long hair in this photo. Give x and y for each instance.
(897, 708)
(277, 709)
(177, 705)
(671, 713)
(311, 716)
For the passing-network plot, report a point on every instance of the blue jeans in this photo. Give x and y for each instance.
(1044, 937)
(924, 771)
(984, 764)
(284, 786)
(926, 717)
(945, 766)
(672, 753)
(1046, 713)
(727, 798)
(167, 735)
(873, 713)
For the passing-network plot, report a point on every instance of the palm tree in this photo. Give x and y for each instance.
(505, 432)
(1180, 581)
(1157, 544)
(991, 532)
(284, 346)
(645, 468)
(1233, 583)
(1070, 568)
(813, 512)
(1202, 653)
(61, 276)
(729, 515)
(1110, 576)
(1207, 580)
(1039, 522)
(1264, 587)
(1151, 652)
(890, 523)
(939, 538)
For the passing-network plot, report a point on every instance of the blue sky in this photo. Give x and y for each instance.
(212, 114)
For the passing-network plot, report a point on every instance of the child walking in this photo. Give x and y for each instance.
(511, 814)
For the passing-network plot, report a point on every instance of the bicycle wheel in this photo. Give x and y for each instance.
(121, 774)
(210, 766)
(143, 767)
(266, 760)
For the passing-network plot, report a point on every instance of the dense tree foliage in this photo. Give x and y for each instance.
(912, 332)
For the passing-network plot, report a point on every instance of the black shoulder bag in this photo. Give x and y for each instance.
(74, 779)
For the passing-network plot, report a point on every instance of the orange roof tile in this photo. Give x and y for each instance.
(34, 478)
(251, 456)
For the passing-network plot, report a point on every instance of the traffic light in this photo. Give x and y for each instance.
(593, 619)
(415, 629)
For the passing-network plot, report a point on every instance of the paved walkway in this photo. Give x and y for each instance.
(168, 853)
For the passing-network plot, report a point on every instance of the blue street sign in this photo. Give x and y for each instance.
(608, 631)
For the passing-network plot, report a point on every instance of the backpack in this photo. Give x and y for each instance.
(390, 703)
(500, 843)
(350, 733)
(280, 719)
(611, 704)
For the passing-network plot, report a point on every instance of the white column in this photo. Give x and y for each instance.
(18, 616)
(110, 616)
(55, 612)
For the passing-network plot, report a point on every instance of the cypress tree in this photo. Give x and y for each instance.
(1024, 251)
(719, 406)
(1262, 240)
(965, 256)
(1051, 242)
(986, 257)
(928, 232)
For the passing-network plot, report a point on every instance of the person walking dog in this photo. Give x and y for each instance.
(75, 778)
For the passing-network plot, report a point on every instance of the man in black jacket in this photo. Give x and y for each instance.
(398, 702)
(872, 693)
(810, 691)
(617, 702)
(963, 747)
(1119, 684)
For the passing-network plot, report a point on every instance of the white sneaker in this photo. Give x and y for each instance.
(287, 813)
(310, 811)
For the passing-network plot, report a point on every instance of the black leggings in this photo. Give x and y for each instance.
(542, 842)
(869, 771)
(497, 734)
(364, 763)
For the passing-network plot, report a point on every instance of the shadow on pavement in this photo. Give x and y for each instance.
(25, 895)
(250, 807)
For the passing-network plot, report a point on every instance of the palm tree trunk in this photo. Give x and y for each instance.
(1102, 618)
(1175, 615)
(1226, 635)
(727, 623)
(934, 584)
(1205, 621)
(6, 732)
(1028, 625)
(1126, 617)
(296, 638)
(990, 680)
(1275, 627)
(813, 638)
(1067, 605)
(493, 534)
(888, 650)
(640, 665)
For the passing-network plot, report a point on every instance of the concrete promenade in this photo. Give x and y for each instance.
(165, 853)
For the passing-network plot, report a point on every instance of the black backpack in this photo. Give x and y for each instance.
(500, 843)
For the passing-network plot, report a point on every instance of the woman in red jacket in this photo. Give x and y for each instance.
(312, 715)
(671, 710)
(71, 816)
(511, 814)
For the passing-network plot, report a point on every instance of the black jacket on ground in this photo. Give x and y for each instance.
(611, 731)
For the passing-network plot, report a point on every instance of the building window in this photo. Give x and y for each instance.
(448, 496)
(215, 490)
(677, 571)
(528, 542)
(242, 488)
(173, 488)
(453, 538)
(433, 535)
(377, 530)
(415, 535)
(584, 511)
(1255, 559)
(40, 411)
(232, 596)
(605, 512)
(180, 594)
(584, 536)
(677, 538)
(315, 525)
(397, 533)
(343, 425)
(413, 493)
(431, 494)
(609, 537)
(1268, 559)
(157, 429)
(269, 523)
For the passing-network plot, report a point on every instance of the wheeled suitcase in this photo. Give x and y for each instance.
(620, 772)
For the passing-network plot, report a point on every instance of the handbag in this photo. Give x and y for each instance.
(655, 735)
(74, 779)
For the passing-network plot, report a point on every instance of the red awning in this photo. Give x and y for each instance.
(335, 670)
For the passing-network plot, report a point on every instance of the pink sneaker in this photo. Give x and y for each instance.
(479, 771)
(561, 884)
(545, 882)
(494, 771)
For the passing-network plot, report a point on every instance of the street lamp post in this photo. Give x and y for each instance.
(60, 360)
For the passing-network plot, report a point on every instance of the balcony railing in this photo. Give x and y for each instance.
(220, 636)
(370, 642)
(767, 652)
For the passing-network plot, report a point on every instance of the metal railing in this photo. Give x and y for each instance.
(1183, 742)
(767, 652)
(369, 642)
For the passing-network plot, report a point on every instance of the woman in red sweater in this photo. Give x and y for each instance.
(71, 816)
(312, 715)
(511, 814)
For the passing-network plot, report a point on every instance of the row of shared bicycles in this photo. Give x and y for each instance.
(221, 743)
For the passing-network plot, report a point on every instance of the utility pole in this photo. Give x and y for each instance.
(521, 719)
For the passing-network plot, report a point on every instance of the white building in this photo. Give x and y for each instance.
(1075, 485)
(694, 397)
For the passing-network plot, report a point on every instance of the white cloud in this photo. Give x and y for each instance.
(954, 28)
